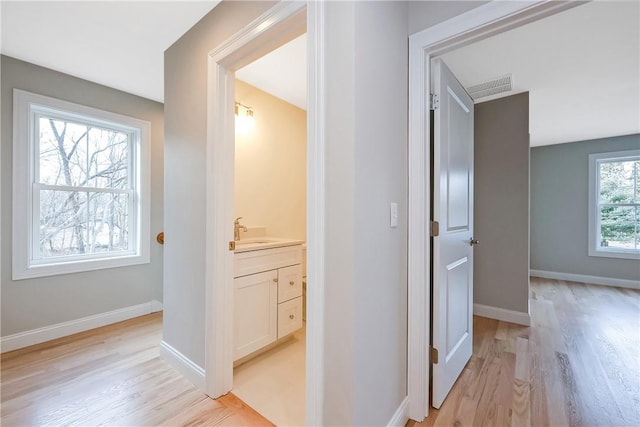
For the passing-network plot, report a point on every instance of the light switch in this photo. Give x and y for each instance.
(393, 217)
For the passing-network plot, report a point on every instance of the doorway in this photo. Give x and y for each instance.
(282, 23)
(270, 210)
(479, 23)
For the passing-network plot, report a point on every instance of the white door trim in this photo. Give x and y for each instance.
(281, 23)
(315, 212)
(484, 21)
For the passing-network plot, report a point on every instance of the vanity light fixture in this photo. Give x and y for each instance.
(244, 122)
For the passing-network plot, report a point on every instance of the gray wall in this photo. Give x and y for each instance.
(35, 303)
(185, 90)
(426, 13)
(501, 211)
(559, 209)
(366, 133)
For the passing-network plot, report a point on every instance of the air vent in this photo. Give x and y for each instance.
(491, 87)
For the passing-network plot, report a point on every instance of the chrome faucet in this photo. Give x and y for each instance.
(237, 227)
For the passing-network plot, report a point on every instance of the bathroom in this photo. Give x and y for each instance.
(270, 234)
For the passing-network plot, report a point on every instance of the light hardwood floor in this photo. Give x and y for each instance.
(109, 376)
(577, 365)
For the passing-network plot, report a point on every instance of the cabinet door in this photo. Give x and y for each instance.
(255, 312)
(289, 283)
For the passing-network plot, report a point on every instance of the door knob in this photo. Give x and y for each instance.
(473, 241)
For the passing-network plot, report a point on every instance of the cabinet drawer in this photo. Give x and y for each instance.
(289, 283)
(289, 316)
(266, 259)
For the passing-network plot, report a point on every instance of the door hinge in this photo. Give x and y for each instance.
(434, 101)
(434, 229)
(433, 355)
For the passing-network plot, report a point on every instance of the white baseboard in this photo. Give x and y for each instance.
(503, 314)
(59, 330)
(595, 280)
(401, 416)
(183, 365)
(156, 306)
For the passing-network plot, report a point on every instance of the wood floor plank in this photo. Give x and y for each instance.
(578, 364)
(522, 371)
(109, 376)
(521, 412)
(501, 331)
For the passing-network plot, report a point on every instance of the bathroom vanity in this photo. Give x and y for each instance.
(267, 292)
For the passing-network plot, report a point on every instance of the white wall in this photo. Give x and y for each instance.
(426, 13)
(380, 342)
(366, 260)
(36, 303)
(340, 269)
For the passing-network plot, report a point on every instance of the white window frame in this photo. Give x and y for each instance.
(594, 203)
(27, 107)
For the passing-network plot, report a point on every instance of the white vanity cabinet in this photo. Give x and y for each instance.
(267, 297)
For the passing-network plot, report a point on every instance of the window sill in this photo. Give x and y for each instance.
(614, 254)
(79, 266)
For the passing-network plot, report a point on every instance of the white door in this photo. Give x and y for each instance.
(453, 248)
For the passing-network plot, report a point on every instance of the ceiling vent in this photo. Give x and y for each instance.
(491, 87)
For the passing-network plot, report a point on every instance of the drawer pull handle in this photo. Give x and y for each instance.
(275, 280)
(291, 316)
(292, 283)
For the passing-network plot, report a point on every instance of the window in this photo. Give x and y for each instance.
(614, 204)
(80, 188)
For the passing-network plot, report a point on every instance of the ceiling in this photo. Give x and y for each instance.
(581, 66)
(270, 74)
(119, 44)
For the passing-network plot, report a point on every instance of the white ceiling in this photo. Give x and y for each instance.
(119, 44)
(581, 68)
(282, 72)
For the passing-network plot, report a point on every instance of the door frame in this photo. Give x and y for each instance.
(478, 23)
(281, 23)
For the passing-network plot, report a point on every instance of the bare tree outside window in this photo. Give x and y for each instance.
(84, 192)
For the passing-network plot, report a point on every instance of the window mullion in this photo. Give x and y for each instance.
(613, 205)
(34, 233)
(92, 189)
(134, 210)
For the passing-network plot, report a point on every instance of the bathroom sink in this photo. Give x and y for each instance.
(257, 243)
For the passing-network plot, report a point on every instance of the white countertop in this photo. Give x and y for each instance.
(258, 243)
